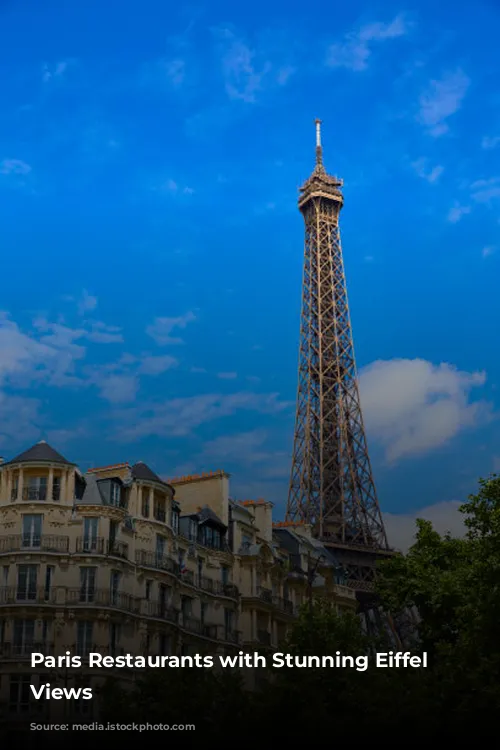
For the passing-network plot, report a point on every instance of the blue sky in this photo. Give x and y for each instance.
(152, 247)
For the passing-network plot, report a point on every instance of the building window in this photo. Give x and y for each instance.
(203, 612)
(19, 693)
(228, 622)
(147, 593)
(49, 573)
(115, 494)
(246, 541)
(32, 530)
(175, 521)
(114, 638)
(6, 569)
(114, 586)
(84, 633)
(56, 489)
(159, 510)
(26, 582)
(160, 547)
(163, 598)
(164, 644)
(224, 574)
(90, 530)
(24, 636)
(208, 536)
(145, 505)
(186, 606)
(36, 489)
(193, 530)
(87, 584)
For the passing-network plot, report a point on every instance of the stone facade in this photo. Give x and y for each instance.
(118, 560)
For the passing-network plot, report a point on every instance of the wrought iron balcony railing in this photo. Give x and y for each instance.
(285, 605)
(26, 595)
(155, 560)
(93, 597)
(218, 587)
(31, 542)
(265, 594)
(100, 546)
(161, 610)
(17, 649)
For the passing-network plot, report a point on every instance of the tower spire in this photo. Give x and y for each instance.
(319, 148)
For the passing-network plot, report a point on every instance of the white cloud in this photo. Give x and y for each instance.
(248, 71)
(456, 212)
(14, 166)
(445, 517)
(442, 99)
(51, 72)
(118, 389)
(20, 419)
(489, 142)
(87, 303)
(413, 406)
(175, 71)
(161, 328)
(487, 251)
(425, 172)
(171, 186)
(484, 191)
(181, 416)
(354, 51)
(227, 375)
(151, 365)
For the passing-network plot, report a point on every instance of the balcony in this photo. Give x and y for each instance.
(161, 611)
(25, 648)
(159, 515)
(264, 637)
(266, 595)
(233, 636)
(30, 543)
(26, 596)
(155, 560)
(117, 549)
(89, 596)
(192, 624)
(218, 587)
(100, 546)
(285, 605)
(187, 576)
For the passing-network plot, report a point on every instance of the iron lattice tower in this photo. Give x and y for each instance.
(331, 484)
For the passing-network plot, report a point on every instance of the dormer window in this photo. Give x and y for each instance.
(175, 521)
(193, 530)
(115, 493)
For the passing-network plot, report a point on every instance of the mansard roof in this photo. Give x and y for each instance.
(40, 452)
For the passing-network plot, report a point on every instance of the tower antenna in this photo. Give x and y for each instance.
(319, 148)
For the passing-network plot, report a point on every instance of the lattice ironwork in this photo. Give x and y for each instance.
(331, 485)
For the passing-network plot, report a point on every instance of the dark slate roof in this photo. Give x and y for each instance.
(207, 514)
(140, 470)
(91, 494)
(41, 451)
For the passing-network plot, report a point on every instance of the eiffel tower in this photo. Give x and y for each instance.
(331, 483)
